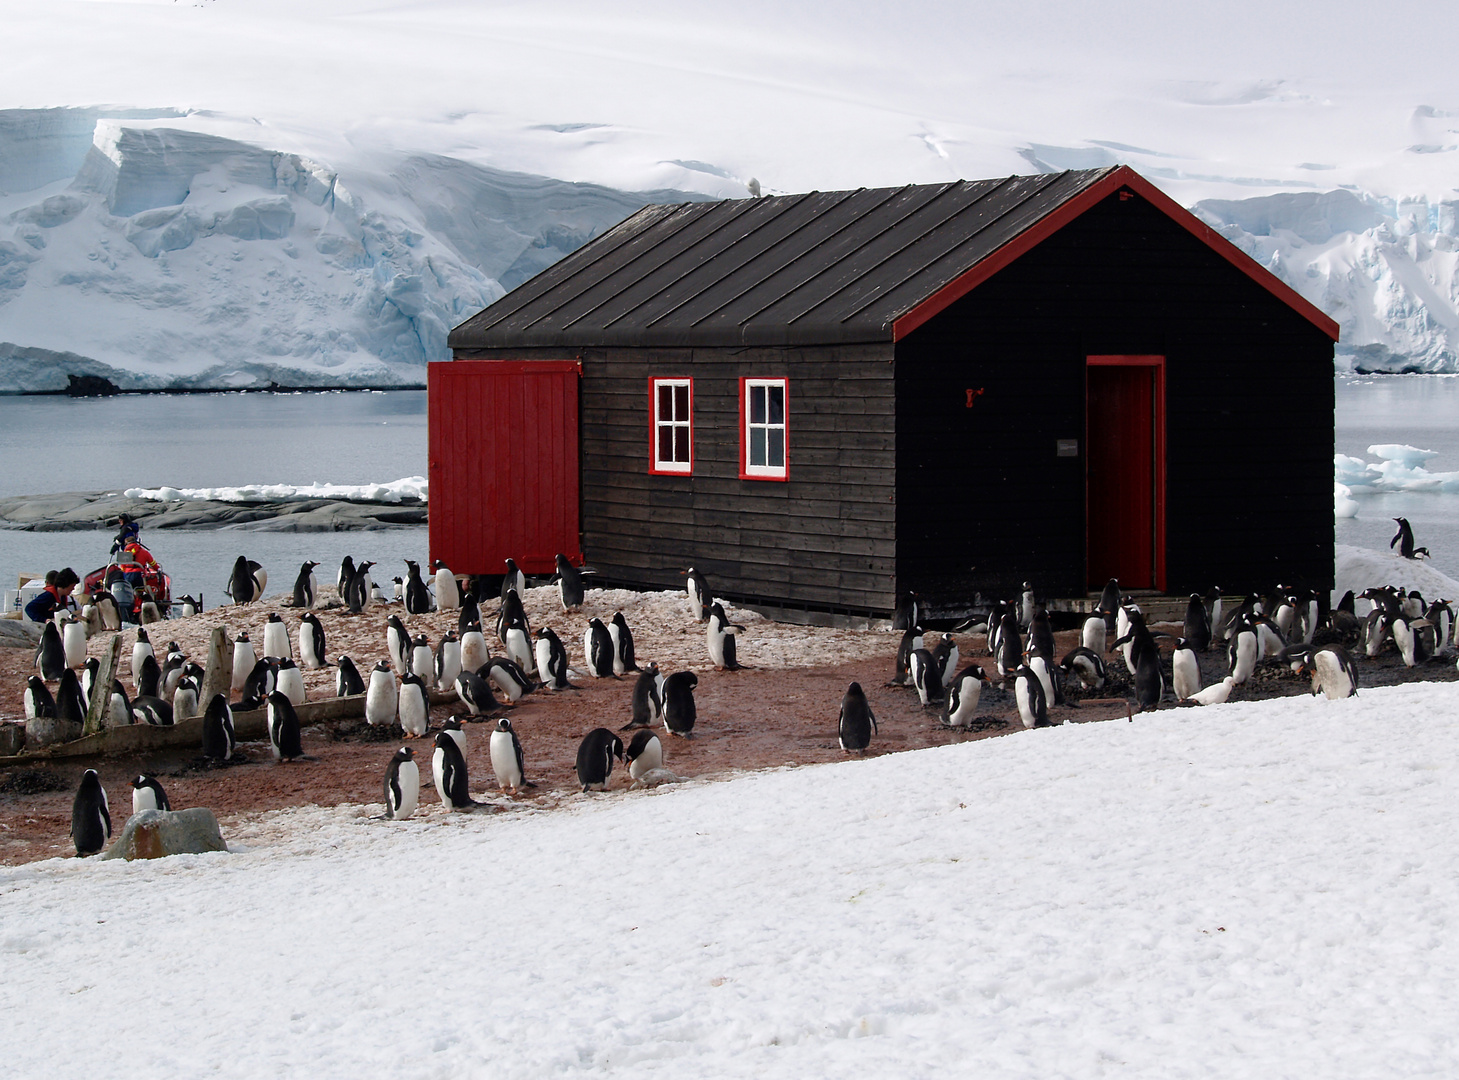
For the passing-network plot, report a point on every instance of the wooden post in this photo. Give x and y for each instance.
(218, 672)
(100, 704)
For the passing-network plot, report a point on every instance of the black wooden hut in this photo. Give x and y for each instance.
(825, 400)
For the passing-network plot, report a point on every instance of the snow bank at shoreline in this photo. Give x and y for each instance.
(410, 487)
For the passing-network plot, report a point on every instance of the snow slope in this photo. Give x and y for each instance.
(1250, 890)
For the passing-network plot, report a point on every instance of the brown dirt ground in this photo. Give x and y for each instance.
(780, 712)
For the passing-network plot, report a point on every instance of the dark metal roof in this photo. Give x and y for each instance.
(822, 268)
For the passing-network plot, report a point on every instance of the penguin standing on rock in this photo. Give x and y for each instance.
(721, 639)
(506, 758)
(69, 703)
(448, 768)
(306, 588)
(517, 639)
(73, 642)
(147, 794)
(402, 785)
(243, 659)
(1404, 539)
(595, 759)
(569, 584)
(50, 657)
(857, 721)
(243, 584)
(360, 591)
(680, 713)
(38, 701)
(90, 817)
(417, 596)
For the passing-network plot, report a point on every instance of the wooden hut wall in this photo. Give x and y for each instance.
(823, 539)
(985, 503)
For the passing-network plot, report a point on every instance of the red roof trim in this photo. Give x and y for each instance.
(1122, 177)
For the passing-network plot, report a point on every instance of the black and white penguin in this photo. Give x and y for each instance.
(511, 613)
(185, 700)
(417, 596)
(448, 767)
(452, 727)
(468, 616)
(1144, 659)
(648, 706)
(1197, 628)
(70, 705)
(311, 642)
(1028, 693)
(552, 660)
(448, 660)
(276, 638)
(1404, 539)
(89, 674)
(906, 614)
(422, 660)
(242, 585)
(243, 660)
(1185, 666)
(506, 758)
(398, 644)
(513, 579)
(120, 713)
(289, 681)
(448, 594)
(912, 640)
(142, 648)
(475, 693)
(147, 794)
(1026, 606)
(947, 656)
(262, 681)
(569, 584)
(1414, 638)
(402, 784)
(1334, 675)
(148, 681)
(517, 640)
(1087, 665)
(381, 696)
(111, 616)
(720, 638)
(306, 586)
(218, 737)
(1109, 603)
(347, 680)
(623, 661)
(595, 759)
(283, 728)
(172, 670)
(507, 676)
(1243, 651)
(1043, 670)
(1214, 604)
(344, 577)
(50, 656)
(38, 700)
(644, 754)
(963, 693)
(414, 705)
(73, 642)
(926, 679)
(1009, 656)
(598, 650)
(474, 652)
(1442, 616)
(699, 595)
(90, 817)
(360, 592)
(678, 697)
(857, 721)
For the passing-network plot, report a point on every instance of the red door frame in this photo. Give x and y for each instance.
(1158, 364)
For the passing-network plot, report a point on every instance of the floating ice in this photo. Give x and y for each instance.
(1343, 504)
(410, 487)
(1402, 469)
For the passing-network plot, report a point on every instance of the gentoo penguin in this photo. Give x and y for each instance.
(475, 693)
(648, 707)
(963, 692)
(1028, 692)
(1334, 675)
(415, 707)
(1043, 669)
(623, 661)
(38, 700)
(569, 584)
(598, 650)
(360, 591)
(149, 679)
(1087, 664)
(305, 586)
(513, 579)
(311, 642)
(1197, 628)
(243, 660)
(448, 593)
(912, 640)
(1404, 539)
(678, 697)
(381, 697)
(448, 767)
(1213, 611)
(517, 640)
(1026, 606)
(218, 739)
(283, 728)
(506, 758)
(1243, 651)
(73, 642)
(1143, 659)
(926, 678)
(289, 681)
(344, 577)
(88, 679)
(1442, 616)
(402, 784)
(69, 703)
(906, 614)
(644, 754)
(1413, 638)
(507, 676)
(448, 660)
(699, 595)
(947, 657)
(347, 680)
(720, 638)
(1216, 694)
(857, 721)
(397, 590)
(453, 728)
(417, 596)
(90, 818)
(474, 653)
(1009, 656)
(261, 682)
(147, 794)
(111, 616)
(1109, 603)
(995, 627)
(50, 657)
(242, 585)
(185, 700)
(422, 660)
(398, 645)
(551, 660)
(120, 714)
(1185, 668)
(511, 613)
(1123, 639)
(468, 616)
(595, 759)
(172, 670)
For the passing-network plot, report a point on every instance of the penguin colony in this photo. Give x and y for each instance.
(486, 671)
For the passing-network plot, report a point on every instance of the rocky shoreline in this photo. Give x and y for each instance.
(78, 510)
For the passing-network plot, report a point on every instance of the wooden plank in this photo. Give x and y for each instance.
(100, 704)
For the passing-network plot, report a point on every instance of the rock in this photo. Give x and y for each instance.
(12, 739)
(155, 834)
(49, 730)
(19, 633)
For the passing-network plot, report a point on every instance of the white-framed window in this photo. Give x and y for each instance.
(764, 449)
(671, 426)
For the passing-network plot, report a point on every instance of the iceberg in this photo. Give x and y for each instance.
(408, 488)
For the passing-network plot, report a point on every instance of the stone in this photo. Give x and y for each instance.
(155, 834)
(48, 730)
(12, 739)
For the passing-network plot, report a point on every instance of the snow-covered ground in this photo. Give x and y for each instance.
(409, 487)
(236, 191)
(1251, 890)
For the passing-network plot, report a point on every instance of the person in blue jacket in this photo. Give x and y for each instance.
(56, 595)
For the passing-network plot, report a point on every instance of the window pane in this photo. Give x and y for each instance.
(777, 447)
(757, 446)
(681, 445)
(681, 403)
(666, 443)
(777, 404)
(666, 402)
(757, 404)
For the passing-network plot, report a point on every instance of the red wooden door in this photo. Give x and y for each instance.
(1125, 463)
(504, 469)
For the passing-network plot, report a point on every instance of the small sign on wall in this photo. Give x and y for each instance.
(1066, 447)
